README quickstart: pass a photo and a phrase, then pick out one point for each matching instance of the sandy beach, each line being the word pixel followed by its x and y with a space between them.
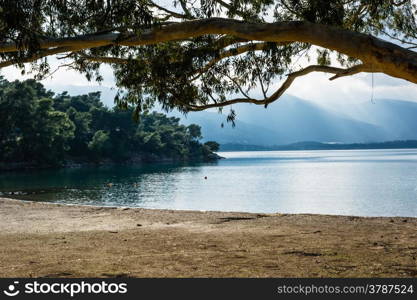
pixel 51 240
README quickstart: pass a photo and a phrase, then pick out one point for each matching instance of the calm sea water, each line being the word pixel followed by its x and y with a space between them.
pixel 354 182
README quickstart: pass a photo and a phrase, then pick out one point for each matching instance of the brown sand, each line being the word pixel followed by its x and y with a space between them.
pixel 49 240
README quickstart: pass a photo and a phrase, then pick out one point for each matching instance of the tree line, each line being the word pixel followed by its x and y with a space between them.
pixel 42 128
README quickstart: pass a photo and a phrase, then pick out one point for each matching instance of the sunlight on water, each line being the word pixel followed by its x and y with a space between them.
pixel 348 182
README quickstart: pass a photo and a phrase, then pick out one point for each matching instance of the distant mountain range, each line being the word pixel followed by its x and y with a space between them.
pixel 398 118
pixel 322 146
pixel 292 119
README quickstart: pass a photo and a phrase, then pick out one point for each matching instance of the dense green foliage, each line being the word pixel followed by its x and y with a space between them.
pixel 214 146
pixel 195 71
pixel 40 127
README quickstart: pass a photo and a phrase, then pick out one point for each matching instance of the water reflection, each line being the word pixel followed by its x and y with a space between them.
pixel 356 182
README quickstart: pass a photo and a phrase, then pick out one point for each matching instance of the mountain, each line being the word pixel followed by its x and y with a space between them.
pixel 242 133
pixel 295 119
pixel 286 121
pixel 398 118
pixel 322 146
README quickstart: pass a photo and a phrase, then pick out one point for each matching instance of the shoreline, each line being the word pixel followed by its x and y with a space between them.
pixel 59 240
pixel 27 166
pixel 2 197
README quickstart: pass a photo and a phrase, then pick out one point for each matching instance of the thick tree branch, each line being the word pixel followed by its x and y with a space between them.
pixel 391 59
pixel 39 55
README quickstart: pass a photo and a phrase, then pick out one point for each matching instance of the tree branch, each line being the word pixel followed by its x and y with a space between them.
pixel 360 9
pixel 228 53
pixel 170 12
pixel 391 59
pixel 106 59
pixel 400 3
pixel 36 56
pixel 339 72
pixel 185 9
pixel 290 9
pixel 355 70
